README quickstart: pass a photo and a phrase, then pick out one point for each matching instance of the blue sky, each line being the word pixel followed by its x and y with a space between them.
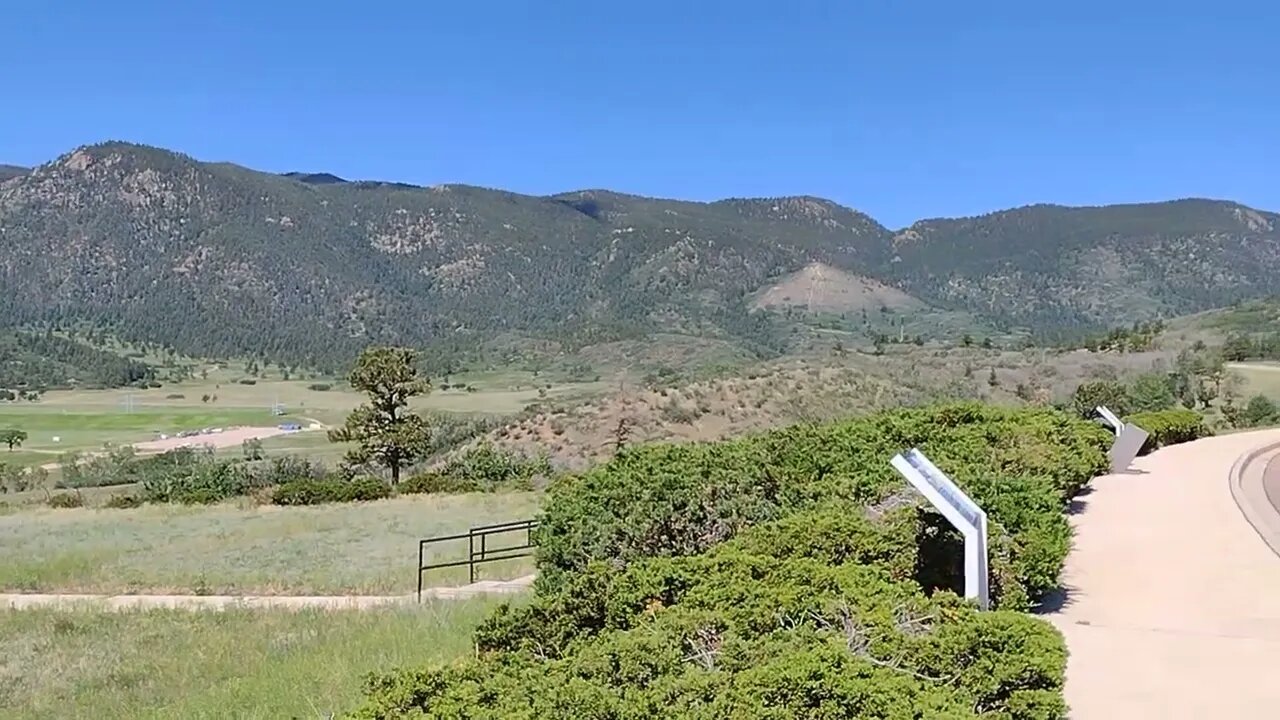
pixel 901 109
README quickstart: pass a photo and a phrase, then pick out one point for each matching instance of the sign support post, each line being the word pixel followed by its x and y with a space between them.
pixel 962 512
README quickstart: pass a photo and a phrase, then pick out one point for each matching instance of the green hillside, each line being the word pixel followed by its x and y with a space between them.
pixel 218 260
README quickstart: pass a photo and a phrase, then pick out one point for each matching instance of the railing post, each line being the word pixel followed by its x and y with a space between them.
pixel 471 556
pixel 420 548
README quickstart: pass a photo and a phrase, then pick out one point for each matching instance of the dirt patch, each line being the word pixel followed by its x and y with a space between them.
pixel 819 287
pixel 228 437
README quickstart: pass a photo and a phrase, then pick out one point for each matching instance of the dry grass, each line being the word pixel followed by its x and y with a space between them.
pixel 814 388
pixel 358 548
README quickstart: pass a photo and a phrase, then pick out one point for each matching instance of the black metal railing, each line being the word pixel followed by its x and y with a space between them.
pixel 478 550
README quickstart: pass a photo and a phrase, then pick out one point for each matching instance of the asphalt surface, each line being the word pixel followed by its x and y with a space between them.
pixel 1172 602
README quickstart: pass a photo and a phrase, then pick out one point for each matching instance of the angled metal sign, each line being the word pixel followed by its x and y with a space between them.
pixel 960 510
pixel 1128 443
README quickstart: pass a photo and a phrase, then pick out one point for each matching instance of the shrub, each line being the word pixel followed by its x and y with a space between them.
pixel 66 500
pixel 364 489
pixel 283 469
pixel 316 491
pixel 486 468
pixel 1260 411
pixel 320 387
pixel 1088 396
pixel 124 502
pixel 1170 427
pixel 773 577
pixel 434 482
pixel 174 396
pixel 247 381
pixel 194 480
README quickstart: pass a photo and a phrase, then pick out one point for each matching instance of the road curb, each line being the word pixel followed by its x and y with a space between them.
pixel 1251 498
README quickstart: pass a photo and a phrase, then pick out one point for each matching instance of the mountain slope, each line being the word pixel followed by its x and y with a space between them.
pixel 11 171
pixel 1047 265
pixel 217 259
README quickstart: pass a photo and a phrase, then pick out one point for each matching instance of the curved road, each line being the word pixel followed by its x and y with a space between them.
pixel 1271 482
pixel 1172 607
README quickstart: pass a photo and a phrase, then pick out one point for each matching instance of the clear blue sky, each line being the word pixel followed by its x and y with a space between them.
pixel 901 109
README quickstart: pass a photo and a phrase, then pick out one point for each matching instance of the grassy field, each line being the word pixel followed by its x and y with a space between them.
pixel 85 420
pixel 1259 378
pixel 233 664
pixel 361 548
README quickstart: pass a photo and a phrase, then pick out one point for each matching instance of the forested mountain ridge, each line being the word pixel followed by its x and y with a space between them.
pixel 11 171
pixel 1049 265
pixel 217 259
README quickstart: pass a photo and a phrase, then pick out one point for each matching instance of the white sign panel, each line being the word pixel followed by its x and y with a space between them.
pixel 1126 447
pixel 1129 440
pixel 961 511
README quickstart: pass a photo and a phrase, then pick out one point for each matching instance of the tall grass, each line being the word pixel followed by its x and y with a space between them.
pixel 234 664
pixel 237 548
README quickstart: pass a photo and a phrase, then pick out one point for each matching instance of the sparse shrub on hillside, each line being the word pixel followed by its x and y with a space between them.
pixel 202 481
pixel 1170 427
pixel 320 387
pixel 123 502
pixel 247 381
pixel 66 500
pixel 487 468
pixel 15 479
pixel 332 489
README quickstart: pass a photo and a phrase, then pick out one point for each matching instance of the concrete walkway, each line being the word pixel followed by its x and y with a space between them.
pixel 1172 603
pixel 18 601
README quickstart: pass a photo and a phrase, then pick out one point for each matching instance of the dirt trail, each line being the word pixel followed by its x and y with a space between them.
pixel 229 437
pixel 1172 603
pixel 20 601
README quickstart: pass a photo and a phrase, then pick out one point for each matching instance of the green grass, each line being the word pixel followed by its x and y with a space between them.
pixel 1259 378
pixel 241 664
pixel 357 548
pixel 85 420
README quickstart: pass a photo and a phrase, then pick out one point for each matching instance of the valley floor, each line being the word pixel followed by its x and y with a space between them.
pixel 1169 608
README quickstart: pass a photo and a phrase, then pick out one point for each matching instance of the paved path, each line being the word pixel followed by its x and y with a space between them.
pixel 1172 607
pixel 292 602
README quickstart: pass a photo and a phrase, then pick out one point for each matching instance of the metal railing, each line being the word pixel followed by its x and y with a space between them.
pixel 478 550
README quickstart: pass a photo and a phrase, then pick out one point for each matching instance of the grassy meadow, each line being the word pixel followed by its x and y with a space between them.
pixel 238 548
pixel 86 420
pixel 242 664
pixel 1259 378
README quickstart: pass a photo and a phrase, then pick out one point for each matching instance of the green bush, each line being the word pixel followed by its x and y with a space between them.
pixel 788 575
pixel 667 499
pixel 195 479
pixel 364 489
pixel 320 387
pixel 1088 396
pixel 434 482
pixel 247 381
pixel 66 500
pixel 488 468
pixel 1170 427
pixel 483 468
pixel 316 491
